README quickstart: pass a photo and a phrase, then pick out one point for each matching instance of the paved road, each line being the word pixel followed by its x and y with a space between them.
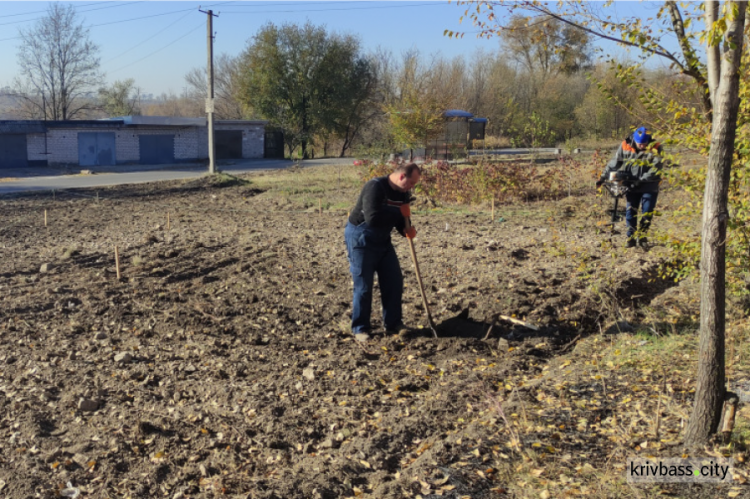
pixel 515 152
pixel 135 174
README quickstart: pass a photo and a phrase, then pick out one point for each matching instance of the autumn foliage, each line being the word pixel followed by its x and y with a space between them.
pixel 504 181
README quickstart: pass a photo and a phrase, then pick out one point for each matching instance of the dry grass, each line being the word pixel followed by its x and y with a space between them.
pixel 622 401
pixel 334 187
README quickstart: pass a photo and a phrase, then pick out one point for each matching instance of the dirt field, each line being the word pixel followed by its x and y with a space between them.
pixel 221 363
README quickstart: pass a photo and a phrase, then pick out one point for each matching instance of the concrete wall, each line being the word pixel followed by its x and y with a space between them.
pixel 35 148
pixel 252 139
pixel 187 143
pixel 191 142
pixel 62 145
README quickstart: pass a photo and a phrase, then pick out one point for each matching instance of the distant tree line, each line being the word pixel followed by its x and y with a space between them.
pixel 540 87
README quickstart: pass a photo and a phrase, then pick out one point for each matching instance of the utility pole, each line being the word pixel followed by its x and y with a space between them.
pixel 210 98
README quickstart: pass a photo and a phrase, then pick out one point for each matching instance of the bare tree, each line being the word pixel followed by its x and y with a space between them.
pixel 59 66
pixel 226 87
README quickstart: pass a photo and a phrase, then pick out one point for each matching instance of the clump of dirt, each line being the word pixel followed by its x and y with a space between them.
pixel 221 363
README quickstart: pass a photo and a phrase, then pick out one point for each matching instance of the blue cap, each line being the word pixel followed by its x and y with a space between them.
pixel 640 136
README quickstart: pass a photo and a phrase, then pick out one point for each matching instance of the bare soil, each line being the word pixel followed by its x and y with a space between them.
pixel 222 364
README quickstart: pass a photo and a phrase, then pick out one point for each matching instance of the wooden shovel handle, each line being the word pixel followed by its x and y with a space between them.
pixel 419 279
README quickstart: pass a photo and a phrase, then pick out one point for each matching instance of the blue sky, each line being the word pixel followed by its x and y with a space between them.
pixel 157 42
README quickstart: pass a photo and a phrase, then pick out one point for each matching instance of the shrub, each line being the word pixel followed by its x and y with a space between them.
pixel 506 182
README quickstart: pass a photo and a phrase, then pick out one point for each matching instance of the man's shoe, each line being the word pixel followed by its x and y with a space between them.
pixel 631 242
pixel 643 241
pixel 400 330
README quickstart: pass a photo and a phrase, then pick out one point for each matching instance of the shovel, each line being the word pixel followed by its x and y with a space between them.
pixel 419 280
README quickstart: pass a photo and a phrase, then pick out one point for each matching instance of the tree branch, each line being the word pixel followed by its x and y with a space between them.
pixel 712 50
pixel 658 50
pixel 693 64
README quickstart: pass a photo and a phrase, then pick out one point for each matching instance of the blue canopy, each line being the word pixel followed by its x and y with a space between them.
pixel 457 113
pixel 480 120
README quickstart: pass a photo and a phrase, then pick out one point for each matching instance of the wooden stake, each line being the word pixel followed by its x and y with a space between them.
pixel 320 207
pixel 167 220
pixel 489 331
pixel 117 262
pixel 492 220
pixel 45 218
pixel 657 425
pixel 730 409
pixel 519 322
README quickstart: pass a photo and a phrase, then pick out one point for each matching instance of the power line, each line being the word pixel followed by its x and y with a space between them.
pixel 318 3
pixel 128 20
pixel 122 20
pixel 149 38
pixel 332 9
pixel 42 11
pixel 159 50
pixel 77 12
pixel 142 17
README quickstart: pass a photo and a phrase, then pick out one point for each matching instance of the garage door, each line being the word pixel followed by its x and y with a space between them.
pixel 96 148
pixel 228 144
pixel 13 151
pixel 156 149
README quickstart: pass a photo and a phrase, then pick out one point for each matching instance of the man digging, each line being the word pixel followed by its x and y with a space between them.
pixel 639 157
pixel 382 206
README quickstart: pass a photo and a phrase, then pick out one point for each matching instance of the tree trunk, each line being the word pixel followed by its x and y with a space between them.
pixel 710 389
pixel 304 128
pixel 347 142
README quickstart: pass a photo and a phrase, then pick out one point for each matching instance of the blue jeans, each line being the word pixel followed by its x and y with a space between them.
pixel 646 201
pixel 370 250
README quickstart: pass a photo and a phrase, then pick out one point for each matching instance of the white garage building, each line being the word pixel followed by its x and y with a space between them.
pixel 125 140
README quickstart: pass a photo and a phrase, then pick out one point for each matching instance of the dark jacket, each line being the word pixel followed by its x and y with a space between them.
pixel 644 167
pixel 379 205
